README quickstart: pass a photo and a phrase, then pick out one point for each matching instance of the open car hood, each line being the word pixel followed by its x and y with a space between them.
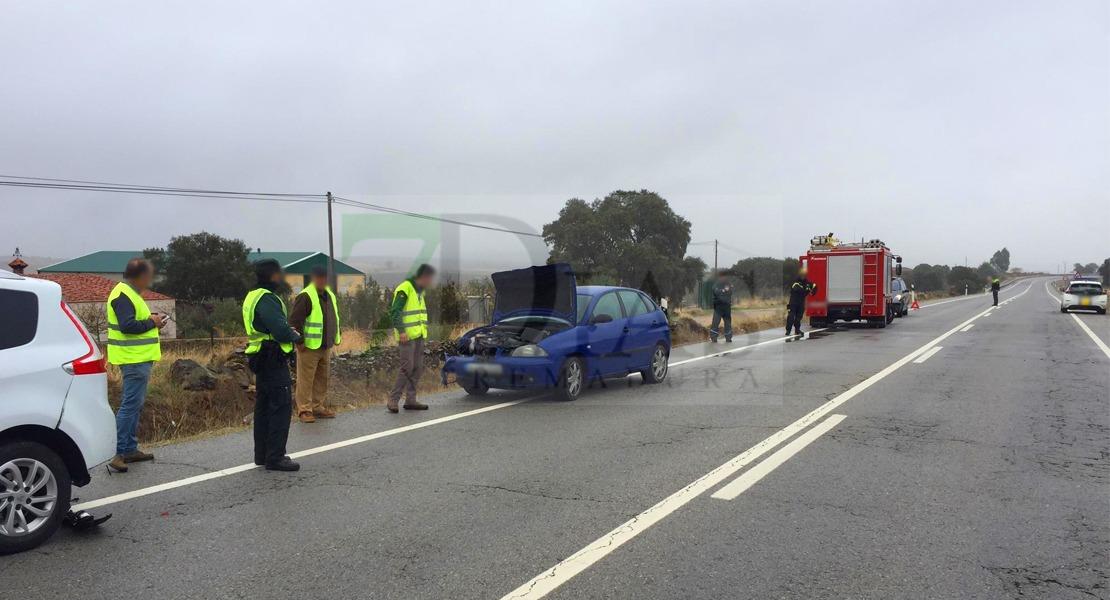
pixel 550 290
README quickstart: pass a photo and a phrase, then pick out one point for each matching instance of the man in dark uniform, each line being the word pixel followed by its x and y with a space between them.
pixel 270 342
pixel 796 307
pixel 995 286
pixel 722 308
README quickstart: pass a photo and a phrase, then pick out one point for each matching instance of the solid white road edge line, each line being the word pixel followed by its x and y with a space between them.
pixel 139 493
pixel 553 578
pixel 752 476
pixel 968 328
pixel 1098 342
pixel 930 353
pixel 247 467
pixel 1101 345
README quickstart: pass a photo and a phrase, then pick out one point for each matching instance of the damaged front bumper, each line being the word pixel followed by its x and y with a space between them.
pixel 502 372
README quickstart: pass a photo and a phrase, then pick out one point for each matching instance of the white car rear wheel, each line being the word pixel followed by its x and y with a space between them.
pixel 34 495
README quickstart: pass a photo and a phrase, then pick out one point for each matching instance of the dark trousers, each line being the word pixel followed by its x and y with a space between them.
pixel 721 313
pixel 995 292
pixel 794 315
pixel 273 408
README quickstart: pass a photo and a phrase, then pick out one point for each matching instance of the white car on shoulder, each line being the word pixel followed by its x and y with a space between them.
pixel 55 422
pixel 1084 294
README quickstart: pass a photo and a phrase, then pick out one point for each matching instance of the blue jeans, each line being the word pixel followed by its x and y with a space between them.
pixel 135 378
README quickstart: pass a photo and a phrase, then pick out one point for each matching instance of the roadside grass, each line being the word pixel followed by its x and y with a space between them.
pixel 747 319
pixel 172 414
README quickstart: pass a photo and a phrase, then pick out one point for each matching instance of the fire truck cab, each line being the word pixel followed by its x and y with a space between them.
pixel 853 281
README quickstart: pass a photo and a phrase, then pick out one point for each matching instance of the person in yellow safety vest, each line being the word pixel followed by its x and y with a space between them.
pixel 316 314
pixel 133 346
pixel 270 341
pixel 410 321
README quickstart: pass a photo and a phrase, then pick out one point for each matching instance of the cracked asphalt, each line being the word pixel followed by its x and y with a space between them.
pixel 982 472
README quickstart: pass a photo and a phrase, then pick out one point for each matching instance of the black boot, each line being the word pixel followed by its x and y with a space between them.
pixel 285 464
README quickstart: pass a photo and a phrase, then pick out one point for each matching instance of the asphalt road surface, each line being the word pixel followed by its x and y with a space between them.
pixel 960 453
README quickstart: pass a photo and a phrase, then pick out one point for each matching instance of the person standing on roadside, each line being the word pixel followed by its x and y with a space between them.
pixel 410 322
pixel 270 341
pixel 722 308
pixel 801 289
pixel 134 347
pixel 996 285
pixel 315 314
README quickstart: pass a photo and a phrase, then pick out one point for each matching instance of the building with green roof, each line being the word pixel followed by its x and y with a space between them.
pixel 297 265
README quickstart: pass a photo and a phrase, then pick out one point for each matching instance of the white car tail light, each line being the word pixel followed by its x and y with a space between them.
pixel 92 363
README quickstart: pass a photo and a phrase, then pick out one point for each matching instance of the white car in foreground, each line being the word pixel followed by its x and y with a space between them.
pixel 55 422
pixel 1084 294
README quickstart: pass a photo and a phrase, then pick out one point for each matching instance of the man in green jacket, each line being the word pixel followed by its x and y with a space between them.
pixel 270 341
pixel 410 322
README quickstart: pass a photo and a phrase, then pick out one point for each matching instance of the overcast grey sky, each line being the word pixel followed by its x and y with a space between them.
pixel 948 129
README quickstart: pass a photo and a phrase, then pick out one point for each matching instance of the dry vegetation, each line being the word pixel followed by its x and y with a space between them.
pixel 173 414
pixel 759 315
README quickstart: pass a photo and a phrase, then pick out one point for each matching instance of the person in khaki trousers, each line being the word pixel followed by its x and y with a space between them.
pixel 316 315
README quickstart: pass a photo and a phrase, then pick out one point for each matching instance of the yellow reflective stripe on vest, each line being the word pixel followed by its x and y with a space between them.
pixel 314 323
pixel 255 337
pixel 127 348
pixel 414 314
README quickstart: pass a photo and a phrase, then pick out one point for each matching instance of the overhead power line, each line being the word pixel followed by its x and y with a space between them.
pixel 158 190
pixel 736 250
pixel 158 187
pixel 376 207
pixel 79 185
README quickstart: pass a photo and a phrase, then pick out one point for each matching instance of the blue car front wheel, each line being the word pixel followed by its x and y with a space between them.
pixel 660 365
pixel 572 379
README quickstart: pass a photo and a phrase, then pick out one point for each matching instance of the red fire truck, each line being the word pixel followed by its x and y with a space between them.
pixel 853 281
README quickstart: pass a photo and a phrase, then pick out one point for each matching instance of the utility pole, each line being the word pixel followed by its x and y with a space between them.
pixel 715 244
pixel 331 248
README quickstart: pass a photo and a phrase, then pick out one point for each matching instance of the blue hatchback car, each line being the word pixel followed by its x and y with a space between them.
pixel 549 333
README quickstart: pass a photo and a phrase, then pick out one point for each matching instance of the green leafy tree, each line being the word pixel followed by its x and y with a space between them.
pixel 930 278
pixel 987 271
pixel 1090 268
pixel 363 307
pixel 630 238
pixel 202 266
pixel 1001 261
pixel 961 278
pixel 765 276
pixel 1104 271
pixel 749 280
